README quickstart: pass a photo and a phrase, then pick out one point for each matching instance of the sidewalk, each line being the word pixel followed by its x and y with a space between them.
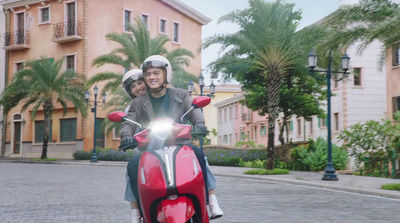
pixel 349 183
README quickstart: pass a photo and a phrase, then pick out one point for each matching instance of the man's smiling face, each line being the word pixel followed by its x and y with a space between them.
pixel 154 77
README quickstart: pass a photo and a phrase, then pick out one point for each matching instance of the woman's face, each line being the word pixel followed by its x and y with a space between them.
pixel 138 87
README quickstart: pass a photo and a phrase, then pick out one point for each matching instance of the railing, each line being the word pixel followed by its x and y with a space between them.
pixel 19 37
pixel 246 117
pixel 66 29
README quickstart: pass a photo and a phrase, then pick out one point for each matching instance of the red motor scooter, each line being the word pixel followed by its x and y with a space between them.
pixel 170 179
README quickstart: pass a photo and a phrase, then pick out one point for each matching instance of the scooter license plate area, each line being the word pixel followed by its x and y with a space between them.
pixel 175 210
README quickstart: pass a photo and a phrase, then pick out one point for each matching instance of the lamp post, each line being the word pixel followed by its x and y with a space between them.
pixel 201 84
pixel 94 110
pixel 312 63
pixel 211 95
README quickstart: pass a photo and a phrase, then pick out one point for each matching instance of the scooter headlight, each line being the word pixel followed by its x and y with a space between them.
pixel 162 127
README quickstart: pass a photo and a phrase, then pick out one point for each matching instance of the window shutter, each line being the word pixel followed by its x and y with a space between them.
pixel 319 122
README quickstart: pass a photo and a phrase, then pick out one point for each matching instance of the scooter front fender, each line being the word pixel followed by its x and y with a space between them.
pixel 177 210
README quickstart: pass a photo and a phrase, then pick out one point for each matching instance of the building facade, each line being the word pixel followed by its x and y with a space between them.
pixel 2 78
pixel 356 99
pixel 222 92
pixel 236 122
pixel 76 30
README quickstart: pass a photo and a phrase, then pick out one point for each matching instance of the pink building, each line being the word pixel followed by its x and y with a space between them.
pixel 237 123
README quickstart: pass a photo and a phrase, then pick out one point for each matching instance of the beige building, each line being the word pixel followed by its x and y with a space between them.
pixel 222 92
pixel 393 80
pixel 76 30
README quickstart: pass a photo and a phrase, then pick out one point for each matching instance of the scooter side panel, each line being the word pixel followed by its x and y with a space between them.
pixel 189 177
pixel 153 186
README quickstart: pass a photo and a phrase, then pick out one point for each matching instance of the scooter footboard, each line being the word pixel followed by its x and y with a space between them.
pixel 176 210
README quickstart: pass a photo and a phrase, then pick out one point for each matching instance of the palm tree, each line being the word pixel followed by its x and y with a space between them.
pixel 134 50
pixel 367 21
pixel 268 45
pixel 43 83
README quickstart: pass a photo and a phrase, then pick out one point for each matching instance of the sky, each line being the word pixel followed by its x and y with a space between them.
pixel 312 11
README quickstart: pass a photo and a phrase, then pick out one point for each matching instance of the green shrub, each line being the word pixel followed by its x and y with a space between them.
pixel 314 156
pixel 253 163
pixel 222 157
pixel 267 172
pixel 391 186
pixel 106 155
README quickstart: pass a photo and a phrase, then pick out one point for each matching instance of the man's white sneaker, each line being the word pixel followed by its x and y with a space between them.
pixel 136 216
pixel 216 211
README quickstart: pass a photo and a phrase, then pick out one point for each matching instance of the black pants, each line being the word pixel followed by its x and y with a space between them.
pixel 133 167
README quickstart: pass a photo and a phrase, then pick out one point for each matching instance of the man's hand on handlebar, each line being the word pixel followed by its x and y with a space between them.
pixel 200 129
pixel 128 143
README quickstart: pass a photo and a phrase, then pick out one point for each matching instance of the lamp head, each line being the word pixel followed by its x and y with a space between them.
pixel 312 59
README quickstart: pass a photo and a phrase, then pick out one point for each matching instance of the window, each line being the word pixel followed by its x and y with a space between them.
pixel 70 62
pixel 225 114
pixel 220 115
pixel 230 139
pixel 44 15
pixel 20 28
pixel 290 126
pixel 71 19
pixel 39 131
pixel 99 132
pixel 298 127
pixel 396 54
pixel 311 127
pixel 225 139
pixel 322 122
pixel 242 136
pixel 336 121
pixel 176 32
pixel 236 110
pixel 357 76
pixel 263 130
pixel 255 133
pixel 145 20
pixel 163 26
pixel 18 66
pixel 68 130
pixel 127 19
pixel 116 134
pixel 230 112
pixel 396 104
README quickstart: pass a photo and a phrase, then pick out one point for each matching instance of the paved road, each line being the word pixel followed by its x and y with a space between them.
pixel 78 193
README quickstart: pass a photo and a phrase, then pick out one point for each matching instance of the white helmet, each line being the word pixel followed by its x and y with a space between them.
pixel 158 61
pixel 129 78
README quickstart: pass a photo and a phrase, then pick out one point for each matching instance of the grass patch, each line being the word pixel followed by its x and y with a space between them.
pixel 391 186
pixel 52 159
pixel 267 172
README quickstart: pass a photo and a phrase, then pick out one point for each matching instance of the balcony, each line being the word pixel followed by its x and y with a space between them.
pixel 67 32
pixel 18 40
pixel 246 118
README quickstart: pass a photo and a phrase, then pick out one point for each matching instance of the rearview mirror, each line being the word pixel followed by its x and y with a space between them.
pixel 201 101
pixel 117 116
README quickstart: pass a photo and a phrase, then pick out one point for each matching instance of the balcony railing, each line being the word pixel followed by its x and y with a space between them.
pixel 246 117
pixel 16 40
pixel 67 32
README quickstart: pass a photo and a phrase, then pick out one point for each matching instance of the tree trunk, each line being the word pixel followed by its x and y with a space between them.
pixel 48 111
pixel 273 99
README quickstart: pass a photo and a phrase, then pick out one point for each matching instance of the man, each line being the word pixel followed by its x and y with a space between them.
pixel 162 101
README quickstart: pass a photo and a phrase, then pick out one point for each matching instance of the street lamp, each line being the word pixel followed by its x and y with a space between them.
pixel 94 110
pixel 211 95
pixel 201 84
pixel 312 64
